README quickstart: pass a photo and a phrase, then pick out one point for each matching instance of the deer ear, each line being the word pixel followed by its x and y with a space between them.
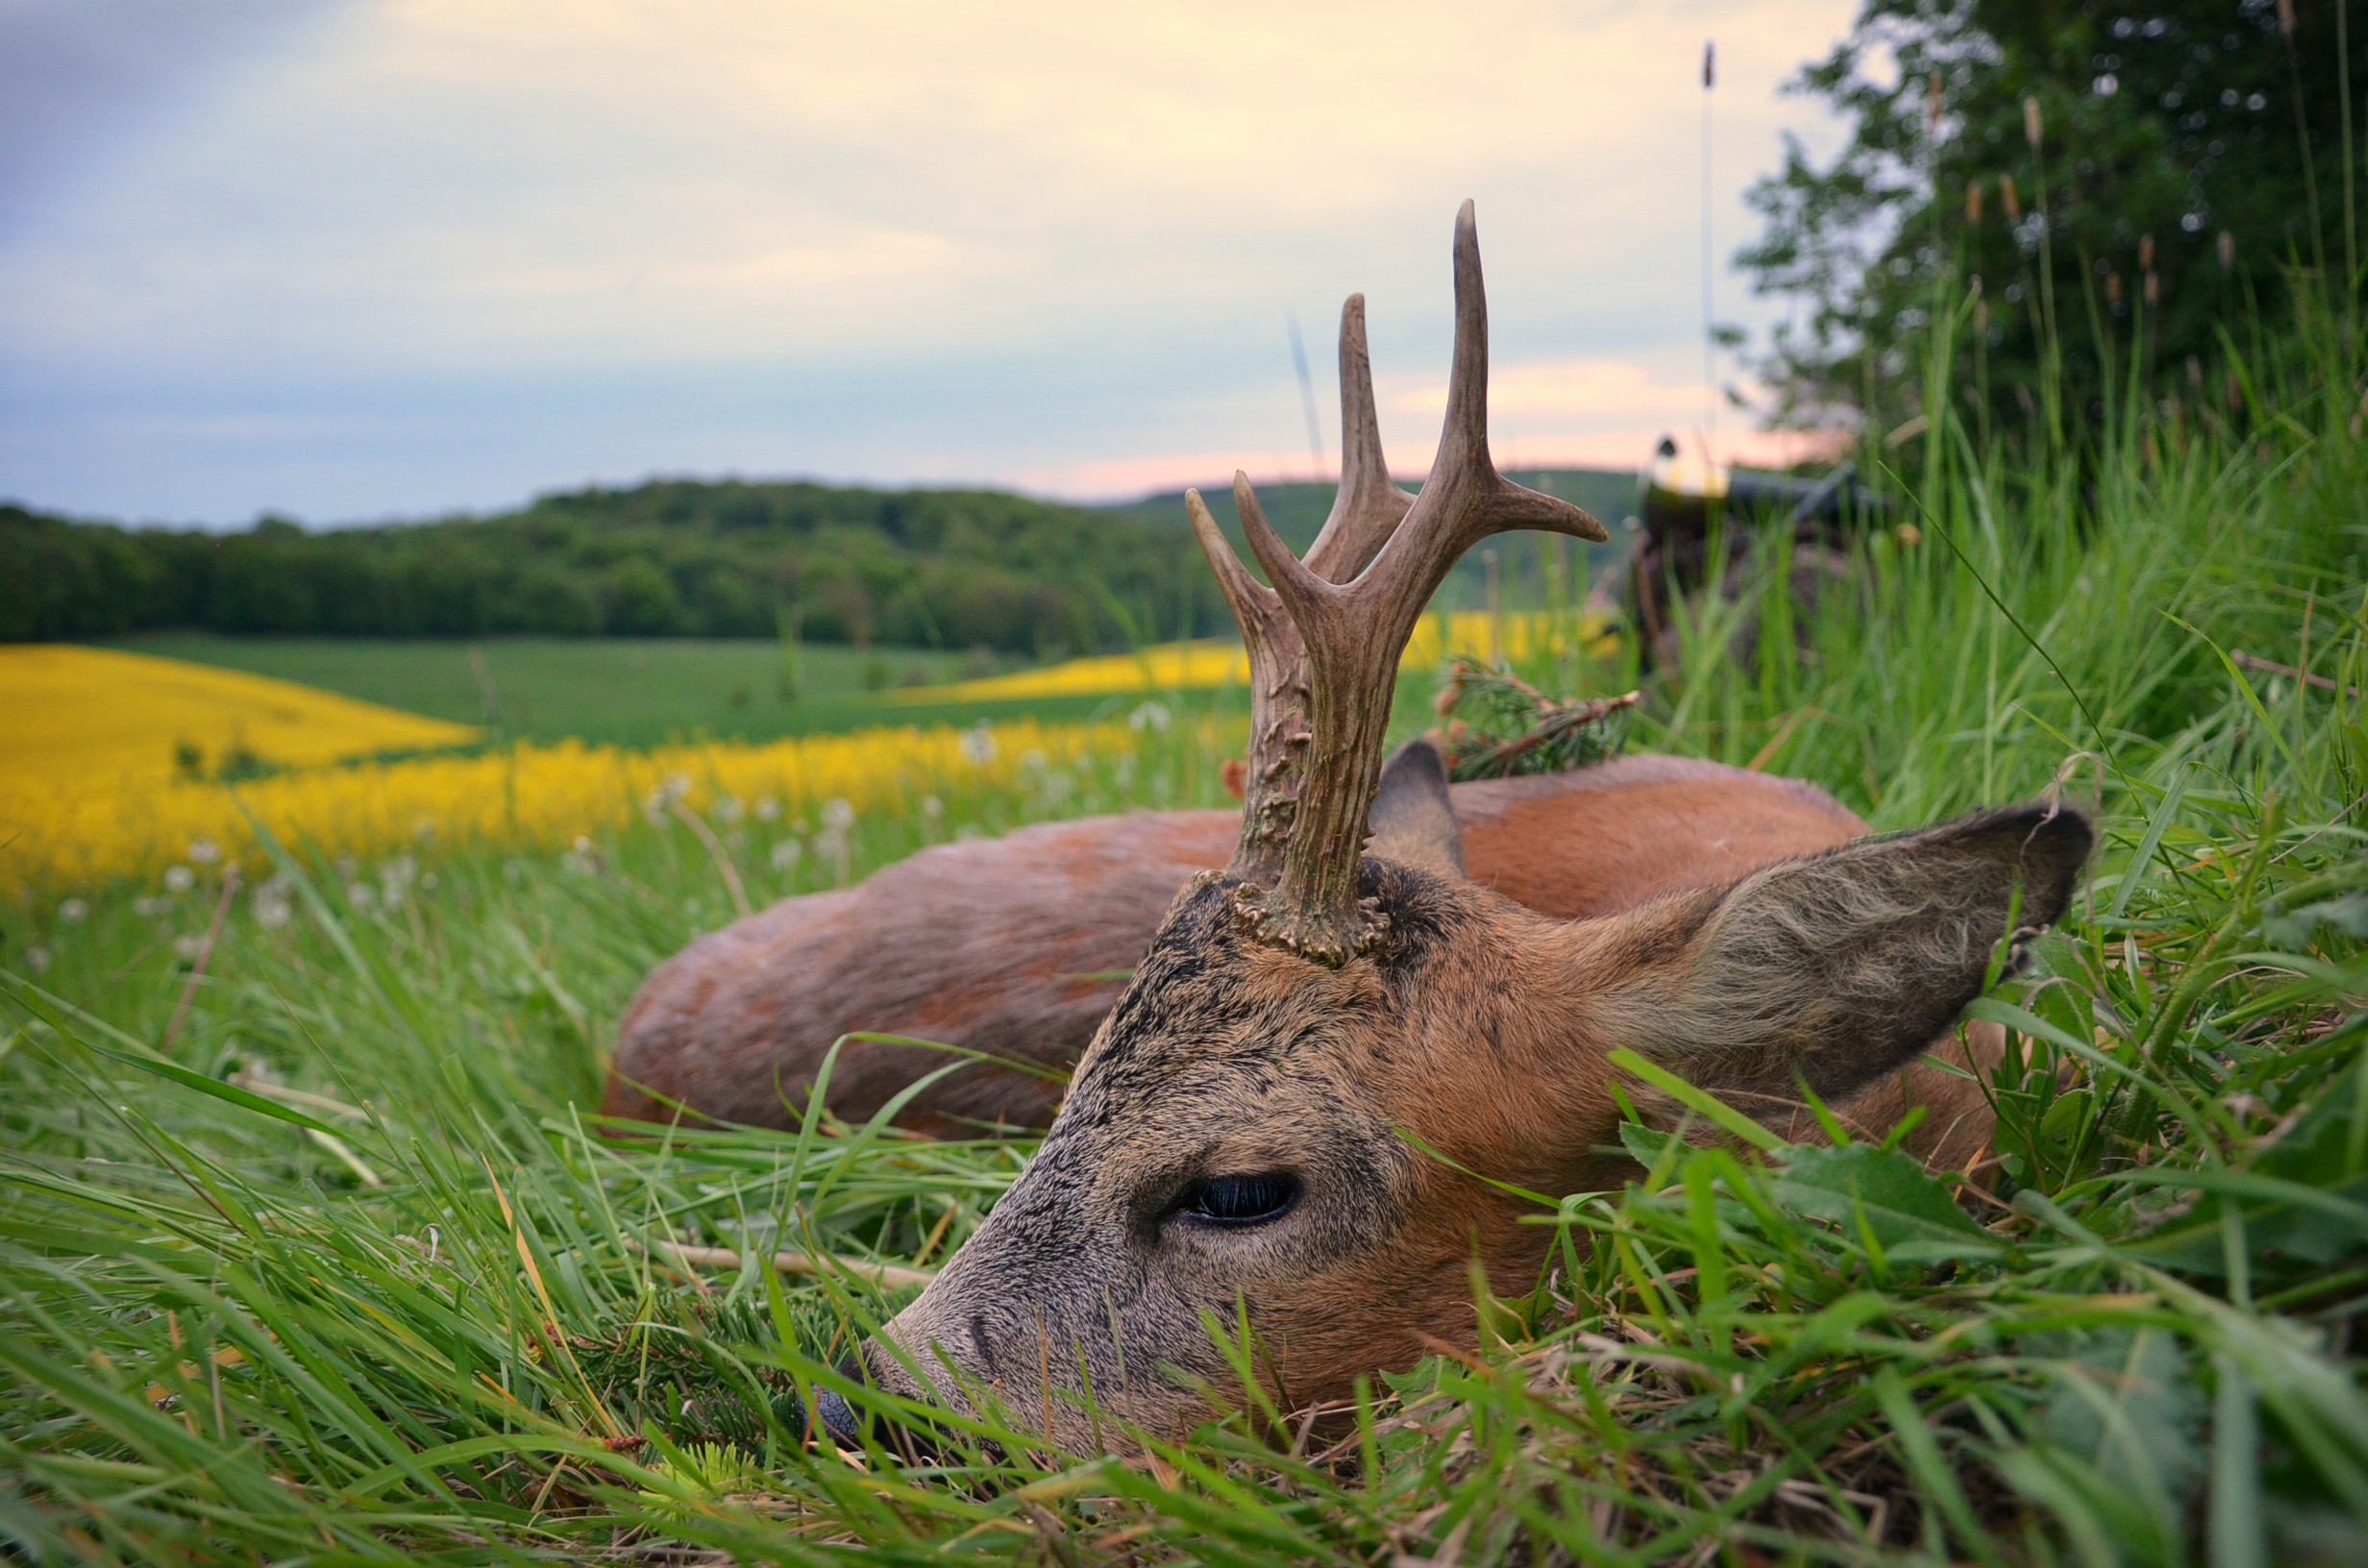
pixel 1839 969
pixel 1412 820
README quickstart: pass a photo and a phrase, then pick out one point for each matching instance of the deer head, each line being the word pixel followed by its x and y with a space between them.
pixel 1257 1126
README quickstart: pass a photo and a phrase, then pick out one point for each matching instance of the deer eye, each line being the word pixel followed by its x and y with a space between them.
pixel 1239 1200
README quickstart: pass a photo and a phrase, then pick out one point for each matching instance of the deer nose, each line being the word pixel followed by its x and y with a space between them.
pixel 908 1440
pixel 838 1417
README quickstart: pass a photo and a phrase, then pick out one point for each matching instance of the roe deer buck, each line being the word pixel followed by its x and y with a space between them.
pixel 1007 946
pixel 1245 1131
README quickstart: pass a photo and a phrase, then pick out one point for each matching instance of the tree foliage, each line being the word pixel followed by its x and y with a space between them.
pixel 2104 182
pixel 945 568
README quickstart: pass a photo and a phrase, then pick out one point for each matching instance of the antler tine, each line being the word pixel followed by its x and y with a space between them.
pixel 1278 685
pixel 1290 576
pixel 1465 499
pixel 1368 507
pixel 1463 439
pixel 1244 594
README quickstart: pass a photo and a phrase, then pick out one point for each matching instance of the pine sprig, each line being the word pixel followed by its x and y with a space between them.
pixel 1500 727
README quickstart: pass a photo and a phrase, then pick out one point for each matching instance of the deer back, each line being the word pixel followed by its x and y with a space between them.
pixel 1017 947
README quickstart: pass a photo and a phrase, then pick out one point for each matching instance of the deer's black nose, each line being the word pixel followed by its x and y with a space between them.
pixel 838 1417
pixel 908 1440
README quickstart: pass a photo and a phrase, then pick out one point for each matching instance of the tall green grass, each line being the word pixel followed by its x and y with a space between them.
pixel 348 1275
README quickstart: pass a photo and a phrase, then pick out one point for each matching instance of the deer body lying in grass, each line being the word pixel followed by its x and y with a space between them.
pixel 1017 947
pixel 1335 1058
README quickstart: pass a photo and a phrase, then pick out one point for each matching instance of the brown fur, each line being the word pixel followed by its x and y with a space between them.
pixel 981 945
pixel 1308 1107
pixel 1476 1028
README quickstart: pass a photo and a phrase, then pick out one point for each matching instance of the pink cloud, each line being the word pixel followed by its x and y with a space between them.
pixel 1590 413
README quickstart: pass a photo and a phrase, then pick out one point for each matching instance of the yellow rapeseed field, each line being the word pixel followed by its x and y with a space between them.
pixel 90 792
pixel 1162 667
pixel 64 834
pixel 103 757
pixel 79 715
pixel 1194 666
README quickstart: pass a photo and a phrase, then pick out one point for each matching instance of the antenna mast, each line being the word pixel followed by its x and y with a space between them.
pixel 1710 341
pixel 1307 394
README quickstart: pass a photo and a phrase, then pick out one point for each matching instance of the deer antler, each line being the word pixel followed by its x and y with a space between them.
pixel 1368 507
pixel 1324 644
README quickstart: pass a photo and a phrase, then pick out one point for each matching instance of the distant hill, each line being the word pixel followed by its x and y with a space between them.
pixel 1297 510
pixel 954 569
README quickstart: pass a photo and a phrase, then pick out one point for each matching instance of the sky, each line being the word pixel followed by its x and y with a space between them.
pixel 346 260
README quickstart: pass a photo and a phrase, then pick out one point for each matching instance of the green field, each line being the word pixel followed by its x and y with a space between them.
pixel 623 691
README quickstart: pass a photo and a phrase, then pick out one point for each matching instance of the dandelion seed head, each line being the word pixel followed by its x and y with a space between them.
pixel 178 879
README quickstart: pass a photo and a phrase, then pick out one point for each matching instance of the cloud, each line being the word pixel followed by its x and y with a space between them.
pixel 1088 219
pixel 1568 389
pixel 79 78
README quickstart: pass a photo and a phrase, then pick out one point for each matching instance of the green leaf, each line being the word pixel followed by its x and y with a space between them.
pixel 2123 1399
pixel 1909 1212
pixel 1927 1464
pixel 2347 915
pixel 1645 1145
pixel 2235 1523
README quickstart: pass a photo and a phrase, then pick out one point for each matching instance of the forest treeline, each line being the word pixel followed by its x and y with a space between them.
pixel 921 568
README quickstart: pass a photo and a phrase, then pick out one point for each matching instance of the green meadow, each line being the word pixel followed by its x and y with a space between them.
pixel 621 690
pixel 322 1255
